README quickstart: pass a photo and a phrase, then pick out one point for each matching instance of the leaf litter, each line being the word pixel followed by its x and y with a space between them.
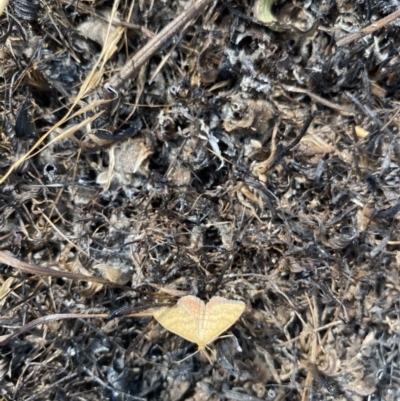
pixel 151 150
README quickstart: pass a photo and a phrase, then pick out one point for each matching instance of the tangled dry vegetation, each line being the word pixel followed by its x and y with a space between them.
pixel 258 163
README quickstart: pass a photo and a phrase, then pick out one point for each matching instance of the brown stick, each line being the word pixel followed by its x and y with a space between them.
pixel 155 44
pixel 369 29
pixel 318 99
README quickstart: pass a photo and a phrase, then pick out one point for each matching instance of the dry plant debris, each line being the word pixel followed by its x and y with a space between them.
pixel 155 149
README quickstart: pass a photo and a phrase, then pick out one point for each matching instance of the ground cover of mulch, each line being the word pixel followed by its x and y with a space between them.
pixel 212 148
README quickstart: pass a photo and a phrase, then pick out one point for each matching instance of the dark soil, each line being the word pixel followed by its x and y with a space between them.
pixel 254 162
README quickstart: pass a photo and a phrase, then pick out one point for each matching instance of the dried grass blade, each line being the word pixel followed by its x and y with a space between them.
pixel 44 271
pixel 4 340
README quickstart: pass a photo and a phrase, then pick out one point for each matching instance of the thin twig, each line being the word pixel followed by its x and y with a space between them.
pixel 4 340
pixel 45 271
pixel 282 152
pixel 156 43
pixel 369 29
pixel 110 388
pixel 318 99
pixel 332 324
pixel 83 8
pixel 53 385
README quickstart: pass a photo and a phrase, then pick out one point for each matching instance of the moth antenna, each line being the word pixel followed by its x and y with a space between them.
pixel 187 357
pixel 225 336
pixel 205 353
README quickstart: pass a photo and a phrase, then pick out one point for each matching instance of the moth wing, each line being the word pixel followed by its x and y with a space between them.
pixel 179 321
pixel 220 314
